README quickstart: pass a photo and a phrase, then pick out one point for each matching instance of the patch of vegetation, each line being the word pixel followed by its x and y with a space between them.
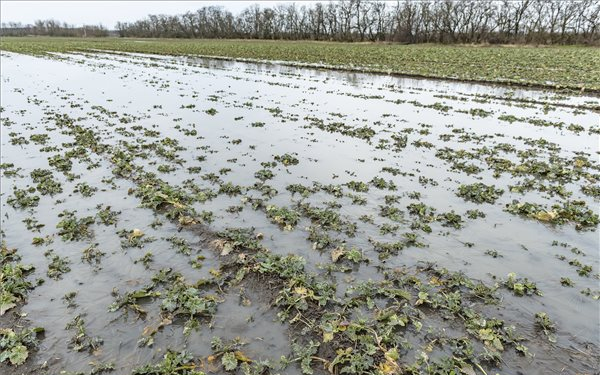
pixel 134 238
pixel 15 346
pixel 85 189
pixel 46 184
pixel 284 217
pixel 92 255
pixel 23 198
pixel 521 287
pixel 107 216
pixel 13 284
pixel 58 265
pixel 479 193
pixel 575 212
pixel 73 228
pixel 543 322
pixel 264 174
pixel 287 159
pixel 82 341
pixel 173 363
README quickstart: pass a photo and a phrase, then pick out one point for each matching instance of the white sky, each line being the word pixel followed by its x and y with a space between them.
pixel 109 12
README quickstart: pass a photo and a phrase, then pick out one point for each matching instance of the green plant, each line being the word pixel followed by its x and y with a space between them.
pixel 173 363
pixel 23 198
pixel 13 285
pixel 73 228
pixel 287 159
pixel 544 323
pixel 283 216
pixel 479 193
pixel 15 346
pixel 520 286
pixel 81 340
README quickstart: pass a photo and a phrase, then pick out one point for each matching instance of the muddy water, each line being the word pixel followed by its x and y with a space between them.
pixel 170 94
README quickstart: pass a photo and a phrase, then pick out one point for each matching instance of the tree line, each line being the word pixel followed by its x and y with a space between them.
pixel 439 21
pixel 52 28
pixel 404 21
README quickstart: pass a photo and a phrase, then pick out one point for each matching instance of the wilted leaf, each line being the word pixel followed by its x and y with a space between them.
pixel 240 356
pixel 546 215
pixel 5 306
pixel 337 254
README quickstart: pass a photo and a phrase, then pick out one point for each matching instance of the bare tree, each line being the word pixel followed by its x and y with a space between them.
pixel 407 21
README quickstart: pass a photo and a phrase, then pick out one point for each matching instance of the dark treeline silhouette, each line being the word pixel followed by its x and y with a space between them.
pixel 405 21
pixel 441 21
pixel 52 28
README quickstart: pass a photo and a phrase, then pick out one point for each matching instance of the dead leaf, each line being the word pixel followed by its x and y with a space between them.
pixel 546 215
pixel 136 233
pixel 240 356
pixel 187 220
pixel 337 253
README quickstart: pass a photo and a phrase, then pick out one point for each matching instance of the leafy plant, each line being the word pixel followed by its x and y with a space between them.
pixel 46 184
pixel 287 159
pixel 13 285
pixel 173 363
pixel 73 228
pixel 15 346
pixel 184 299
pixel 570 211
pixel 92 255
pixel 107 216
pixel 304 355
pixel 85 189
pixel 129 300
pixel 134 238
pixel 283 216
pixel 520 286
pixel 237 239
pixel 479 193
pixel 23 198
pixel 81 340
pixel 544 323
pixel 58 265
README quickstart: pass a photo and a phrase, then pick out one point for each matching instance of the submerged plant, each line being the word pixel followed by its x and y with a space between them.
pixel 73 228
pixel 544 323
pixel 187 300
pixel 23 198
pixel 130 300
pixel 520 286
pixel 58 265
pixel 85 189
pixel 283 216
pixel 479 193
pixel 287 159
pixel 81 340
pixel 134 238
pixel 570 211
pixel 107 216
pixel 173 363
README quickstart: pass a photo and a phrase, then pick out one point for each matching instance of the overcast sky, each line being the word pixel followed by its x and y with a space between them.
pixel 109 12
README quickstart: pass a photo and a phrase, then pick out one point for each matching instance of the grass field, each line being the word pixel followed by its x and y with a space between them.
pixel 572 67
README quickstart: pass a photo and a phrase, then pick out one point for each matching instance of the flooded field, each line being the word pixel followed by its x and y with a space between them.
pixel 202 215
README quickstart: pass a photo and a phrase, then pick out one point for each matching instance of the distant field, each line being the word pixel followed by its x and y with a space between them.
pixel 572 67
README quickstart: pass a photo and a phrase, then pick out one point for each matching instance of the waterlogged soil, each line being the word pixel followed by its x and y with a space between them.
pixel 320 221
